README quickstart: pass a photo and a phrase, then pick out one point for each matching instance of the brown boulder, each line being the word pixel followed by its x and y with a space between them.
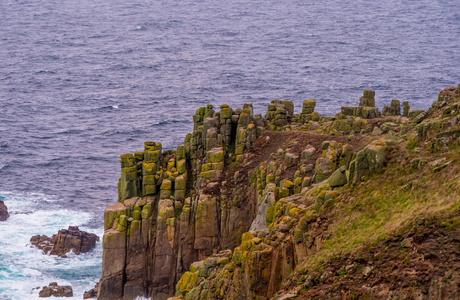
pixel 3 211
pixel 66 240
pixel 55 290
pixel 43 242
pixel 92 293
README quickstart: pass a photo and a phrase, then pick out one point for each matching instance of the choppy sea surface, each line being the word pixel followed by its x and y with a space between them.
pixel 82 82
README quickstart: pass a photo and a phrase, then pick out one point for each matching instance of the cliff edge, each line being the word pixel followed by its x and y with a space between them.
pixel 292 206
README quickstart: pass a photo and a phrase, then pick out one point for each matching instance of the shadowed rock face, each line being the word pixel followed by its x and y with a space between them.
pixel 66 240
pixel 3 211
pixel 56 290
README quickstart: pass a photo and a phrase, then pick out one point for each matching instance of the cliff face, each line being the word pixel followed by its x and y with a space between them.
pixel 256 207
pixel 175 207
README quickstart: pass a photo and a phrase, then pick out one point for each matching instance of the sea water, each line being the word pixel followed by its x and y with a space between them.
pixel 24 268
pixel 82 82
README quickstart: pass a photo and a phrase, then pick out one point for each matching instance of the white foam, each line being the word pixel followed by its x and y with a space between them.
pixel 23 268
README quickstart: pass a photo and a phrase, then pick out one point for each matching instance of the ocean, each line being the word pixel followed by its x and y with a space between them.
pixel 82 82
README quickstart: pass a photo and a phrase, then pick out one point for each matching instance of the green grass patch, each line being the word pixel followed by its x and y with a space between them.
pixel 375 209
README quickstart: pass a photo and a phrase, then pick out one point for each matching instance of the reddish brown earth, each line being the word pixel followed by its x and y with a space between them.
pixel 421 264
pixel 262 150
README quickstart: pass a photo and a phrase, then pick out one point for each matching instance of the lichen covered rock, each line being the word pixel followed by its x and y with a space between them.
pixel 236 211
pixel 366 108
pixel 368 161
pixel 279 113
pixel 338 178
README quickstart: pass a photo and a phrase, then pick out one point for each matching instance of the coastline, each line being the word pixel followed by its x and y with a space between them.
pixel 243 183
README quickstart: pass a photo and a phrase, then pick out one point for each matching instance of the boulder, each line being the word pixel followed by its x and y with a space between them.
pixel 291 158
pixel 324 168
pixel 66 240
pixel 308 152
pixel 92 293
pixel 315 116
pixel 366 108
pixel 327 163
pixel 308 106
pixel 377 131
pixel 56 290
pixel 367 99
pixel 368 161
pixel 370 112
pixel 338 178
pixel 3 211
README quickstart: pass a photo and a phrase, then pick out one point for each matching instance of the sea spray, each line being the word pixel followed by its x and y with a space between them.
pixel 23 268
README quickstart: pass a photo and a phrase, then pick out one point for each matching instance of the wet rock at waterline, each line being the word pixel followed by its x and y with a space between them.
pixel 55 290
pixel 3 211
pixel 66 240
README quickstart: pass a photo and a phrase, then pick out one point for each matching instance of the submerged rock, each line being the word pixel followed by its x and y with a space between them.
pixel 66 240
pixel 56 290
pixel 3 211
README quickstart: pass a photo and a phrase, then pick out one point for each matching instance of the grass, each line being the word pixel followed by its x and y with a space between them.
pixel 412 144
pixel 371 211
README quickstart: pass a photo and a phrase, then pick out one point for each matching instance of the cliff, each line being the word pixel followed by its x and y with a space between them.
pixel 292 206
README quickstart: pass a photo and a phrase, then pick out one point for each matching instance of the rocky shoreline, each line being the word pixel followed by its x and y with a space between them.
pixel 287 205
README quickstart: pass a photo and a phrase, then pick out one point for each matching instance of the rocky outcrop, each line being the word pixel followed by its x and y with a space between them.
pixel 174 206
pixel 280 113
pixel 56 290
pixel 366 108
pixel 236 211
pixel 368 161
pixel 394 109
pixel 3 211
pixel 273 259
pixel 65 241
pixel 443 127
pixel 179 207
